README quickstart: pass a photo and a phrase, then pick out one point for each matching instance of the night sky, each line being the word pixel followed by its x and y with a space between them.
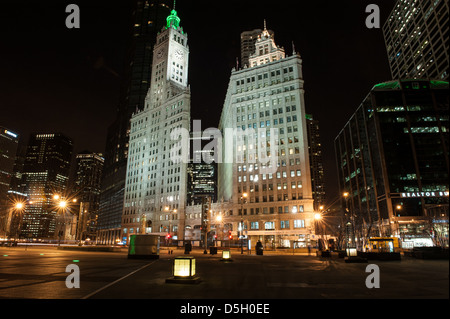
pixel 67 80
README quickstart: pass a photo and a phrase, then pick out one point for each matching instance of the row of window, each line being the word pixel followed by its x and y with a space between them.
pixel 258 95
pixel 264 76
pixel 283 224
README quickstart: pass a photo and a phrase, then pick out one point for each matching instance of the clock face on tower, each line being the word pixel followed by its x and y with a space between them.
pixel 160 53
pixel 179 54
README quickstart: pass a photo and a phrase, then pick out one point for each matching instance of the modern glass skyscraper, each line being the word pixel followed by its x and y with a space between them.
pixel 45 173
pixel 315 158
pixel 148 17
pixel 156 179
pixel 9 142
pixel 87 188
pixel 265 167
pixel 417 39
pixel 393 161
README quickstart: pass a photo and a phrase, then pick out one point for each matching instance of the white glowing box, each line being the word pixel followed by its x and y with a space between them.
pixel 226 254
pixel 184 267
pixel 351 252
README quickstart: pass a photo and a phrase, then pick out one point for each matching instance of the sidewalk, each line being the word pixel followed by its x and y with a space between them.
pixel 237 251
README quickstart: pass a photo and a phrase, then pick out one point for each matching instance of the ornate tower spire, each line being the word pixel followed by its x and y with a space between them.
pixel 265 33
pixel 173 20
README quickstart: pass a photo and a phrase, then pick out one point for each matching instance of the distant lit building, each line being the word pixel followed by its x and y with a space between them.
pixel 9 141
pixel 87 188
pixel 46 173
pixel 202 173
pixel 393 161
pixel 316 162
pixel 417 39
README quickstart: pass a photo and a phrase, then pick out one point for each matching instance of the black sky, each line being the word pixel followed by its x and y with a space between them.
pixel 58 79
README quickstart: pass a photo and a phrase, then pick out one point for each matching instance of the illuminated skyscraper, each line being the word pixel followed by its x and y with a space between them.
pixel 87 189
pixel 155 188
pixel 9 142
pixel 315 157
pixel 393 161
pixel 265 169
pixel 417 39
pixel 248 40
pixel 148 17
pixel 45 173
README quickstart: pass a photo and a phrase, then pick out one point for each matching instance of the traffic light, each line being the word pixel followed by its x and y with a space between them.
pixel 168 236
pixel 229 235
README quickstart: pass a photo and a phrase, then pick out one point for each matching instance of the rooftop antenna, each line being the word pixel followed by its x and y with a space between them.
pixel 174 2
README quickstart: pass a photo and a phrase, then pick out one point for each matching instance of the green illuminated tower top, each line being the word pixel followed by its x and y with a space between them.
pixel 173 20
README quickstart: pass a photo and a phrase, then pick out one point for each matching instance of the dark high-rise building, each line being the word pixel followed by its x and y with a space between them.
pixel 8 147
pixel 202 171
pixel 393 162
pixel 417 39
pixel 315 159
pixel 46 173
pixel 87 187
pixel 148 17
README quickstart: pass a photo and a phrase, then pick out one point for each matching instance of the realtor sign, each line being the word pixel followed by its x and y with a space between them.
pixel 424 194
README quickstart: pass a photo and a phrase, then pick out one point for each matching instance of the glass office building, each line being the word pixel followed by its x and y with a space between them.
pixel 417 39
pixel 392 160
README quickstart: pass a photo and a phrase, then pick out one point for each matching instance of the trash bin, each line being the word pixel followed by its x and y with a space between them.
pixel 187 248
pixel 213 250
pixel 259 248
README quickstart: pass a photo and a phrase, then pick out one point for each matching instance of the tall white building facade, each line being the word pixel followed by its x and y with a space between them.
pixel 156 179
pixel 267 180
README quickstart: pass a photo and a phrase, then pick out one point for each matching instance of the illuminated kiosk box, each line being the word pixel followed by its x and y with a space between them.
pixel 143 247
pixel 226 256
pixel 184 271
pixel 352 256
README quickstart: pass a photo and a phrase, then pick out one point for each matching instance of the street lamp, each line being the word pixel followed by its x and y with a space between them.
pixel 397 215
pixel 64 205
pixel 243 197
pixel 17 209
pixel 317 218
pixel 351 222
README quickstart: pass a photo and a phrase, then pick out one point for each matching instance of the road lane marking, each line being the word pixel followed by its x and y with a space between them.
pixel 116 281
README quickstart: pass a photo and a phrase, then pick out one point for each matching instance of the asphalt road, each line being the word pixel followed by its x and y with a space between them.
pixel 40 273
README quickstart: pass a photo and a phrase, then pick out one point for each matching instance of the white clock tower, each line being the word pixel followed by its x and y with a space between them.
pixel 170 61
pixel 156 184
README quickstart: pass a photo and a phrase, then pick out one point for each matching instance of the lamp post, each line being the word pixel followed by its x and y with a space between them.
pixel 169 230
pixel 18 209
pixel 398 208
pixel 317 218
pixel 219 220
pixel 243 197
pixel 351 222
pixel 64 205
